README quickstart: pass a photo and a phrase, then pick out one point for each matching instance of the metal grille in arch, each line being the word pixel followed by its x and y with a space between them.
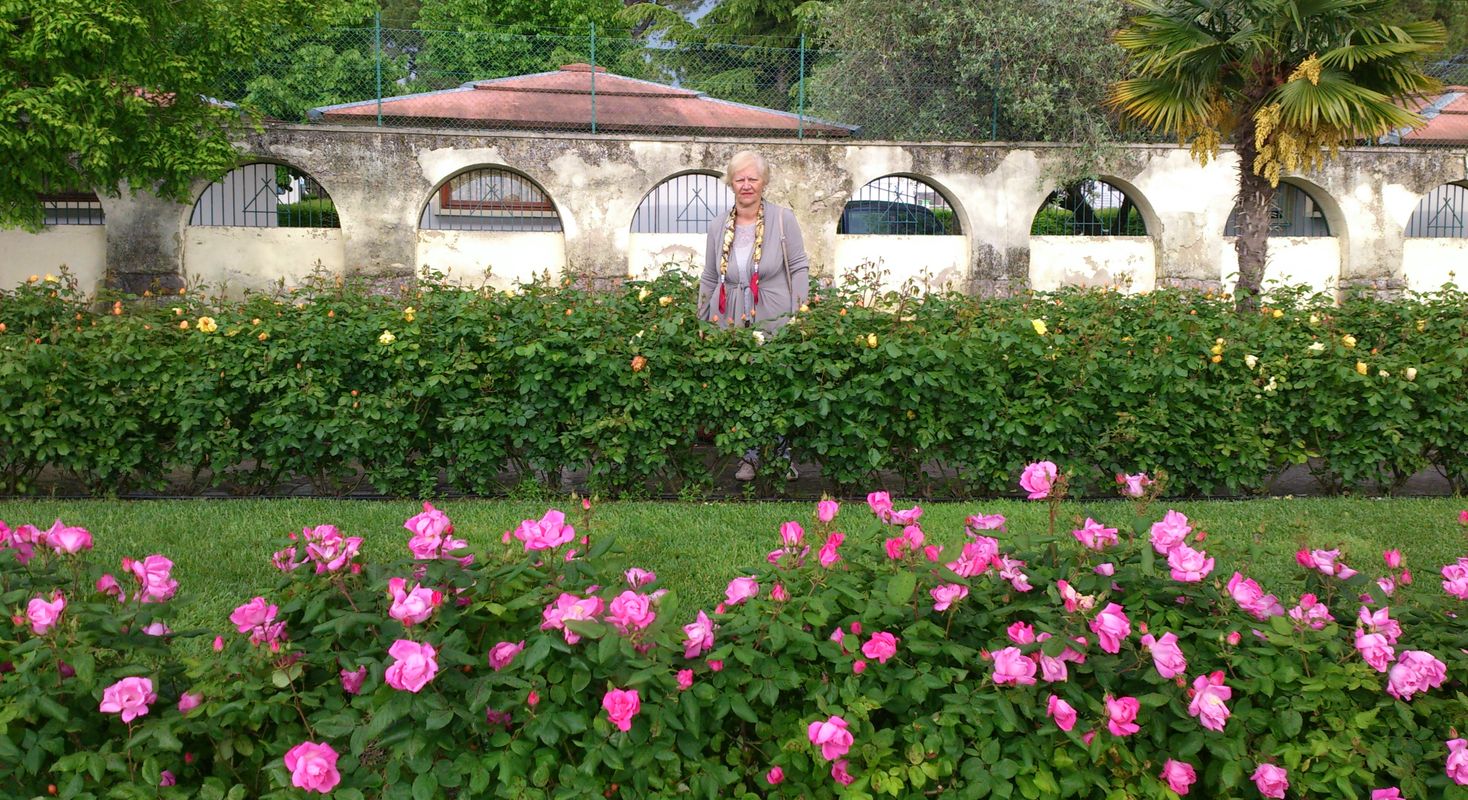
pixel 683 204
pixel 490 199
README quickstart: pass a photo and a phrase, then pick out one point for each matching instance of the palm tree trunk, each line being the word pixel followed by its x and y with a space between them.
pixel 1256 197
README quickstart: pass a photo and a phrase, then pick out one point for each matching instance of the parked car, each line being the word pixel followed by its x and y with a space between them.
pixel 885 217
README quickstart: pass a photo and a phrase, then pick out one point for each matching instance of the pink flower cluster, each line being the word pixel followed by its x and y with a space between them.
pixel 1455 579
pixel 154 575
pixel 62 538
pixel 257 618
pixel 326 547
pixel 1252 599
pixel 567 608
pixel 881 505
pixel 1326 561
pixel 1311 612
pixel 433 536
pixel 412 607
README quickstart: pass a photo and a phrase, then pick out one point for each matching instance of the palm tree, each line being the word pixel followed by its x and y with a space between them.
pixel 1286 82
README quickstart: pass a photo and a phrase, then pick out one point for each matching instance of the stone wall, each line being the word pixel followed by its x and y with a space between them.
pixel 381 179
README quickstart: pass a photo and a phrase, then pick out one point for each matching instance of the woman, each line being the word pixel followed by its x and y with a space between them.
pixel 755 270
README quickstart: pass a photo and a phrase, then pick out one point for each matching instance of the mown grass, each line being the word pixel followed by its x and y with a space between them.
pixel 222 548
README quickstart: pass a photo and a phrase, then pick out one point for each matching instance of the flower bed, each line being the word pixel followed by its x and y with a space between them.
pixel 860 660
pixel 445 387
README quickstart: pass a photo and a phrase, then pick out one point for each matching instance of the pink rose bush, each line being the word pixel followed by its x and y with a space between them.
pixel 43 614
pixel 810 674
pixel 1038 479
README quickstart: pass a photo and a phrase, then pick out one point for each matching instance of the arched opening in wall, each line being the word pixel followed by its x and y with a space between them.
pixel 490 199
pixel 669 227
pixel 265 195
pixel 491 225
pixel 900 229
pixel 1435 252
pixel 262 225
pixel 1093 233
pixel 1293 212
pixel 1088 208
pixel 1304 247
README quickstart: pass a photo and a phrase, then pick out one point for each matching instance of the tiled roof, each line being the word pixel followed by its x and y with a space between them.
pixel 1447 118
pixel 562 101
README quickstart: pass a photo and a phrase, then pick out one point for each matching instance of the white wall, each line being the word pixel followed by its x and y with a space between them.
pixel 506 258
pixel 1429 263
pixel 650 254
pixel 932 262
pixel 81 248
pixel 235 259
pixel 1126 262
pixel 1312 260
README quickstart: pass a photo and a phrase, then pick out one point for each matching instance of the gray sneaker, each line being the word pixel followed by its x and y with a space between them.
pixel 746 471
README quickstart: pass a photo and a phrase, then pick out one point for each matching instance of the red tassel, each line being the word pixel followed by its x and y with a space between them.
pixel 723 300
pixel 754 287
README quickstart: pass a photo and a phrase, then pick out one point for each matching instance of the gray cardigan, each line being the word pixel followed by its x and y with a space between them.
pixel 784 270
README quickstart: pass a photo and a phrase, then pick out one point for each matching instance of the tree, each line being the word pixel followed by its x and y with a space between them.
pixel 97 92
pixel 1285 81
pixel 1451 13
pixel 967 69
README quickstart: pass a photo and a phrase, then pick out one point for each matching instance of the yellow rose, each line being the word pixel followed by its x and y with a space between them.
pixel 207 325
pixel 871 340
pixel 1278 313
pixel 1361 367
pixel 49 278
pixel 1348 340
pixel 1215 359
pixel 408 313
pixel 643 294
pixel 1216 349
pixel 1410 373
pixel 386 338
pixel 183 326
pixel 804 308
pixel 1421 325
pixel 263 336
pixel 665 301
pixel 1381 373
pixel 1039 326
pixel 1251 361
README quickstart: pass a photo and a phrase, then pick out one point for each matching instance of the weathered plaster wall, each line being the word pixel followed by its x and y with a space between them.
pixel 1125 262
pixel 930 262
pixel 381 180
pixel 1311 260
pixel 234 259
pixel 82 249
pixel 497 259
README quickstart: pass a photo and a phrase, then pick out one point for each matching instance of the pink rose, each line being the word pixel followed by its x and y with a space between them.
pixel 976 558
pixel 1121 715
pixel 945 595
pixel 907 516
pixel 685 679
pixel 1252 599
pixel 1170 531
pixel 880 647
pixel 167 778
pixel 740 589
pixel 285 559
pixel 1111 626
pixel 1062 712
pixel 1094 535
pixel 858 666
pixel 1392 793
pixel 1415 671
pixel 1455 579
pixel 1053 670
pixel 779 594
pixel 894 548
pixel 313 767
pixel 1038 479
pixel 188 701
pixel 791 533
pixel 1179 775
pixel 1271 780
pixel 984 522
pixel 638 577
pixel 700 636
pixel 831 736
pixel 129 697
pixel 1166 655
pixel 1380 621
pixel 1209 701
pixel 109 586
pixel 154 576
pixel 1134 485
pixel 631 611
pixel 67 540
pixel 503 653
pixel 716 665
pixel 1311 612
pixel 829 554
pixel 1106 569
pixel 413 667
pixel 1393 558
pixel 1021 632
pixel 1012 570
pixel 430 523
pixel 1233 638
pixel 1074 600
pixel 840 773
pixel 44 614
pixel 532 698
pixel 1012 666
pixel 549 533
pixel 569 608
pixel 826 510
pixel 775 776
pixel 1458 761
pixel 621 706
pixel 352 679
pixel 156 628
pixel 218 644
pixel 881 505
pixel 331 551
pixel 411 607
pixel 1188 565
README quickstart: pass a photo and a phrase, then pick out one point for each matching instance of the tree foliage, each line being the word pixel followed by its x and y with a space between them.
pixel 1285 81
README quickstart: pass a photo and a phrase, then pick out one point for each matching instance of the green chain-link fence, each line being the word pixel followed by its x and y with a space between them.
pixel 589 82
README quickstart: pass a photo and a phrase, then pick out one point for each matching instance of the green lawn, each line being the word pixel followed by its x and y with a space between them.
pixel 222 548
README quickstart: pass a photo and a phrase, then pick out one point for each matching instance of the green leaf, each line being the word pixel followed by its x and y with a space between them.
pixel 900 587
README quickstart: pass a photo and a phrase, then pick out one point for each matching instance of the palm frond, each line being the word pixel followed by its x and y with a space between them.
pixel 1338 103
pixel 1165 105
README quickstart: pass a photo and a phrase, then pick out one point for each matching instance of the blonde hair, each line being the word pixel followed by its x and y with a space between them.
pixel 745 158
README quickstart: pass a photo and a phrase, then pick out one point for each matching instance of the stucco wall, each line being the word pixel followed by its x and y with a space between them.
pixel 930 262
pixel 650 254
pixel 1427 264
pixel 1314 261
pixel 381 181
pixel 82 249
pixel 1125 262
pixel 499 259
pixel 234 259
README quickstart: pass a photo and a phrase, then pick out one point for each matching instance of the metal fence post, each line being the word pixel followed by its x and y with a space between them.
pixel 593 77
pixel 377 37
pixel 994 111
pixel 800 91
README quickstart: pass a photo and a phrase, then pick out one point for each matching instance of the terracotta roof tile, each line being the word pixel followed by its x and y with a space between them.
pixel 562 101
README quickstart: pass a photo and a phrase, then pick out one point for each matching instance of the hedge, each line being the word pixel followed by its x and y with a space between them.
pixel 442 389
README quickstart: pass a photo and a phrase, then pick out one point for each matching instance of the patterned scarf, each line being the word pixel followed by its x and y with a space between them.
pixel 759 243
